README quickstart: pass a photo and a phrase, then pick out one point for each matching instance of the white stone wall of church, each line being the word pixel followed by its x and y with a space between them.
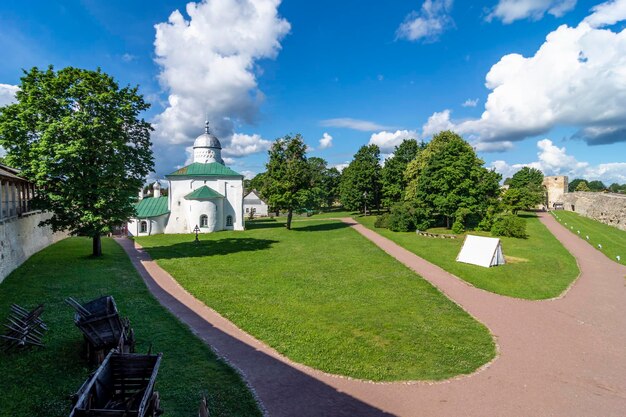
pixel 260 210
pixel 22 237
pixel 211 208
pixel 154 226
pixel 231 188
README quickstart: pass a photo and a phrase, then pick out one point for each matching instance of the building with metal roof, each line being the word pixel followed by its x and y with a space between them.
pixel 205 194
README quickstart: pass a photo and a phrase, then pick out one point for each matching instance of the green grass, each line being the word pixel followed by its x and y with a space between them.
pixel 323 295
pixel 612 239
pixel 38 382
pixel 538 267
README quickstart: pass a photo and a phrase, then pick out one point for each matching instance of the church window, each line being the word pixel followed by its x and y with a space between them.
pixel 247 209
pixel 229 220
pixel 143 227
pixel 204 221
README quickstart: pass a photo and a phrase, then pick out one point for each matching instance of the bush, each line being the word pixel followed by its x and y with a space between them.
pixel 509 225
pixel 406 217
pixel 458 227
pixel 382 221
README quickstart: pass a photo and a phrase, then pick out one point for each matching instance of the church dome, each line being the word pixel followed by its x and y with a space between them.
pixel 207 139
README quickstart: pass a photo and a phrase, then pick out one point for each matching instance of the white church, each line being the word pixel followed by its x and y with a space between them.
pixel 206 194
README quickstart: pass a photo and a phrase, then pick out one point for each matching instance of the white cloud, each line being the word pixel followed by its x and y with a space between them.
pixel 426 25
pixel 436 123
pixel 341 167
pixel 607 13
pixel 493 146
pixel 326 141
pixel 244 145
pixel 553 160
pixel 470 102
pixel 387 141
pixel 208 66
pixel 354 124
pixel 128 57
pixel 511 10
pixel 577 78
pixel 248 174
pixel 7 94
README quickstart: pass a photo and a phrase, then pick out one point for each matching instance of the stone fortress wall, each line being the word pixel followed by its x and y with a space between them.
pixel 21 237
pixel 556 186
pixel 607 208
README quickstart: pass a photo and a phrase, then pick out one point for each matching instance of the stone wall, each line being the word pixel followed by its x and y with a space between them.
pixel 607 208
pixel 556 187
pixel 20 237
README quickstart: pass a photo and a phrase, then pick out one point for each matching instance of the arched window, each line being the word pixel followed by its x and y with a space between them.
pixel 143 227
pixel 229 221
pixel 204 221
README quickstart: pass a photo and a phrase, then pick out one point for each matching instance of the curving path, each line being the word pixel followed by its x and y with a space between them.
pixel 562 357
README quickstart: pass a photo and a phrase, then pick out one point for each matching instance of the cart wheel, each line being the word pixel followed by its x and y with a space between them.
pixel 155 405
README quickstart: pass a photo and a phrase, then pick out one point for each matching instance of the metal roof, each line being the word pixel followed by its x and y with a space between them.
pixel 213 169
pixel 203 193
pixel 151 207
pixel 8 172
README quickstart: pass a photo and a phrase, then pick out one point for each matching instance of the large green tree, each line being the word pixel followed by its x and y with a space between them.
pixel 79 137
pixel 526 190
pixel 573 184
pixel 447 176
pixel 287 179
pixel 597 186
pixel 393 179
pixel 360 181
pixel 324 183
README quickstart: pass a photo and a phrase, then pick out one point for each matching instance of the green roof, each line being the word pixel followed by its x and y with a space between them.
pixel 214 169
pixel 203 193
pixel 151 207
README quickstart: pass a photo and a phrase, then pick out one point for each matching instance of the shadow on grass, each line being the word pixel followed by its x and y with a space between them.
pixel 320 227
pixel 263 224
pixel 206 248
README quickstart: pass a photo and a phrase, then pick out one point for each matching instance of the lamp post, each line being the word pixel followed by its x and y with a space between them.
pixel 365 202
pixel 196 230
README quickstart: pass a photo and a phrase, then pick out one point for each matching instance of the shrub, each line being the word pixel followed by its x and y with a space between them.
pixel 406 217
pixel 509 225
pixel 458 227
pixel 382 221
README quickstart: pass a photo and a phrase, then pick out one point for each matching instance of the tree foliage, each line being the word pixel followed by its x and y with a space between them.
pixel 573 184
pixel 323 188
pixel 393 181
pixel 525 191
pixel 617 188
pixel 360 181
pixel 287 179
pixel 79 137
pixel 510 226
pixel 597 186
pixel 527 177
pixel 583 186
pixel 447 175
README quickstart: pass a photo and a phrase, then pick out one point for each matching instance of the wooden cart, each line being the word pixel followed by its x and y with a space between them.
pixel 102 327
pixel 123 386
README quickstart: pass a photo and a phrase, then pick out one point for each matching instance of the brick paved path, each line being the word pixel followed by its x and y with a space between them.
pixel 562 357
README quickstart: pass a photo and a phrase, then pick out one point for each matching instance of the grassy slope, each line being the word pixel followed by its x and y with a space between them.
pixel 612 239
pixel 324 296
pixel 39 381
pixel 543 268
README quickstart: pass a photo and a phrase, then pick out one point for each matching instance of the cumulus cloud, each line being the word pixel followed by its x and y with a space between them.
pixel 607 13
pixel 7 94
pixel 244 145
pixel 207 63
pixel 553 160
pixel 354 124
pixel 326 141
pixel 436 123
pixel 428 23
pixel 340 167
pixel 387 141
pixel 470 102
pixel 248 174
pixel 577 78
pixel 509 11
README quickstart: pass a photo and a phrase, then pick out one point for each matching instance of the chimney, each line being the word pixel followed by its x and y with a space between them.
pixel 157 190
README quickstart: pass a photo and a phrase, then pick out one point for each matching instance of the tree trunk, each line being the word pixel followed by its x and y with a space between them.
pixel 97 246
pixel 447 222
pixel 289 216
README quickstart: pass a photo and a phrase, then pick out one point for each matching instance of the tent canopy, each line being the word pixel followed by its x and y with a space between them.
pixel 481 251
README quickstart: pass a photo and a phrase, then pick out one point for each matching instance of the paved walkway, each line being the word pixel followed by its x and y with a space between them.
pixel 563 357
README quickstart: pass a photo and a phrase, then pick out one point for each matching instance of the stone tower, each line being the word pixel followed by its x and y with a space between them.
pixel 556 186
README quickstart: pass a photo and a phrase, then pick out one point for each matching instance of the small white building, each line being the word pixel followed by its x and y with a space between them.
pixel 253 203
pixel 205 193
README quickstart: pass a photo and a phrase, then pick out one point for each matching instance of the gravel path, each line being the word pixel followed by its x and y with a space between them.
pixel 562 357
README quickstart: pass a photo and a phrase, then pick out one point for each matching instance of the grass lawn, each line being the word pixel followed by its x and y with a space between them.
pixel 612 239
pixel 538 267
pixel 324 296
pixel 39 382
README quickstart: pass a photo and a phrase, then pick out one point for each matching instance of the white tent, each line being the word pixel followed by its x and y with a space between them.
pixel 481 251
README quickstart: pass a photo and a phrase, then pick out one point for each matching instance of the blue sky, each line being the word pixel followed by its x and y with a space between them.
pixel 358 71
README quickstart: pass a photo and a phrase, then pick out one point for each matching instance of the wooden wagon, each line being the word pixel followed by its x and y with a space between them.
pixel 123 386
pixel 102 327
